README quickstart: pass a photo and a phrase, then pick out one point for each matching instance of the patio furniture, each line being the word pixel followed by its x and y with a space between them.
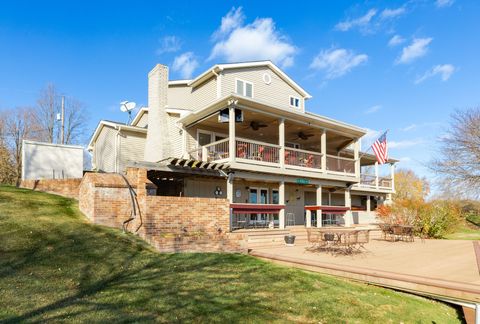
pixel 313 237
pixel 386 230
pixel 363 237
pixel 290 221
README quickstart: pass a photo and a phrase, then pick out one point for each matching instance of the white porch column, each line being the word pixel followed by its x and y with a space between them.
pixel 356 156
pixel 323 150
pixel 184 143
pixel 392 171
pixel 308 218
pixel 376 175
pixel 281 201
pixel 319 203
pixel 281 141
pixel 231 133
pixel 230 189
pixel 348 213
pixel 369 204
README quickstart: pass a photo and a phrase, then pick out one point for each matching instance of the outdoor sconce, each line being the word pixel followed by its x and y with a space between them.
pixel 218 192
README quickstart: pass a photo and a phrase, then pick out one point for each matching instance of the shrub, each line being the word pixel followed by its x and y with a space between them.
pixel 438 218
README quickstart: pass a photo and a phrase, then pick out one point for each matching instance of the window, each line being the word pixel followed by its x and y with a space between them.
pixel 244 88
pixel 294 102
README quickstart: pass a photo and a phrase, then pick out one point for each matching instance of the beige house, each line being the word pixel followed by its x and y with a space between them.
pixel 241 131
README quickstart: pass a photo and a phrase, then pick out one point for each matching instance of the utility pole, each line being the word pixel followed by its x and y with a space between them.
pixel 62 134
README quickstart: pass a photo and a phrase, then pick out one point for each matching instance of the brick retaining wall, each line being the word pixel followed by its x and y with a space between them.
pixel 170 224
pixel 63 187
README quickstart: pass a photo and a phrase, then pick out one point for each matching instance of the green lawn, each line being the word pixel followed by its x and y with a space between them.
pixel 465 231
pixel 54 265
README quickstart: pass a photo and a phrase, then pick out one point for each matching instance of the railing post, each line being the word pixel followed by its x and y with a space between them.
pixel 281 201
pixel 356 157
pixel 231 133
pixel 392 171
pixel 376 175
pixel 281 142
pixel 323 150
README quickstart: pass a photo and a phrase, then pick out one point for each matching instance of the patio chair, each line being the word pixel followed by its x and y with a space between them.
pixel 397 233
pixel 408 234
pixel 290 221
pixel 386 230
pixel 348 241
pixel 363 237
pixel 313 238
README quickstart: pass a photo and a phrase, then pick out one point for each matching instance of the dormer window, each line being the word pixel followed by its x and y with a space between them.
pixel 294 102
pixel 244 88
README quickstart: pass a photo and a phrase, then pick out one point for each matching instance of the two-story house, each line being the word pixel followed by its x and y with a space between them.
pixel 241 131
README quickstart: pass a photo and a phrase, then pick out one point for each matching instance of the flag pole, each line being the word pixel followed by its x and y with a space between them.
pixel 363 153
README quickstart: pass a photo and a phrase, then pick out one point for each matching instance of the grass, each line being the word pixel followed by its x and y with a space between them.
pixel 465 231
pixel 54 265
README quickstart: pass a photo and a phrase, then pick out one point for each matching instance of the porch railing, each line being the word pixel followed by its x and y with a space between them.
pixel 370 181
pixel 257 151
pixel 340 164
pixel 384 182
pixel 302 158
pixel 218 150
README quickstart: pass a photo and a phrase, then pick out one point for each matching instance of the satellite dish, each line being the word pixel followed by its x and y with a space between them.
pixel 128 106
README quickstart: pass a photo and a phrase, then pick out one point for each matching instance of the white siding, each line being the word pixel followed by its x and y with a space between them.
pixel 143 121
pixel 277 93
pixel 50 161
pixel 204 94
pixel 176 147
pixel 104 150
pixel 131 148
pixel 179 96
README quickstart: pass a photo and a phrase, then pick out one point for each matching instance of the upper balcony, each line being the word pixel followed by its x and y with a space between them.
pixel 273 144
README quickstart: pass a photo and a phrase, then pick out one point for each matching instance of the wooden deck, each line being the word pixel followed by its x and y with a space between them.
pixel 442 269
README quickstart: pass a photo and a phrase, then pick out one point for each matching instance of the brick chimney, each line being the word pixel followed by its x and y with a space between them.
pixel 156 146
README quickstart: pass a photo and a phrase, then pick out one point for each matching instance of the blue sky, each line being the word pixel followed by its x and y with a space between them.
pixel 397 65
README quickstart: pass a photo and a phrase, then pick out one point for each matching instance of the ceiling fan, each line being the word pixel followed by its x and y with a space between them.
pixel 303 136
pixel 256 125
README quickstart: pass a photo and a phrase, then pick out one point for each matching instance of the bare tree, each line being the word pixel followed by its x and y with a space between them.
pixel 7 170
pixel 49 105
pixel 19 124
pixel 75 121
pixel 459 160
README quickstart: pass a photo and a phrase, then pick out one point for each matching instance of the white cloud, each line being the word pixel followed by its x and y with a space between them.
pixel 358 22
pixel 422 125
pixel 232 20
pixel 445 71
pixel 256 41
pixel 392 13
pixel 185 63
pixel 369 138
pixel 405 159
pixel 396 40
pixel 443 3
pixel 373 109
pixel 405 143
pixel 337 62
pixel 169 44
pixel 417 49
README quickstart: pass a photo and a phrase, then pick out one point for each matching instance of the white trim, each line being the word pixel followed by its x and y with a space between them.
pixel 52 144
pixel 179 82
pixel 220 67
pixel 212 134
pixel 294 98
pixel 114 125
pixel 138 116
pixel 245 82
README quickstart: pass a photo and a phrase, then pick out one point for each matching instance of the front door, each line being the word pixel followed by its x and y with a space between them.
pixel 258 196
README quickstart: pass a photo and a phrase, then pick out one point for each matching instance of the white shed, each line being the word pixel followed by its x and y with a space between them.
pixel 51 161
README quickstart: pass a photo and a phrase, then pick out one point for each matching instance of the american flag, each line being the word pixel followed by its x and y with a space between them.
pixel 380 149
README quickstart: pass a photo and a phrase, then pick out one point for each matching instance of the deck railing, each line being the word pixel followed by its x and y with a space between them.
pixel 214 151
pixel 370 181
pixel 340 164
pixel 257 151
pixel 384 182
pixel 302 158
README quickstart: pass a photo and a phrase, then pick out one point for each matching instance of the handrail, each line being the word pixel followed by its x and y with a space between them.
pixel 341 157
pixel 302 151
pixel 215 143
pixel 256 142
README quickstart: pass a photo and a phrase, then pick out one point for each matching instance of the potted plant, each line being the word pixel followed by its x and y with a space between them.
pixel 289 240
